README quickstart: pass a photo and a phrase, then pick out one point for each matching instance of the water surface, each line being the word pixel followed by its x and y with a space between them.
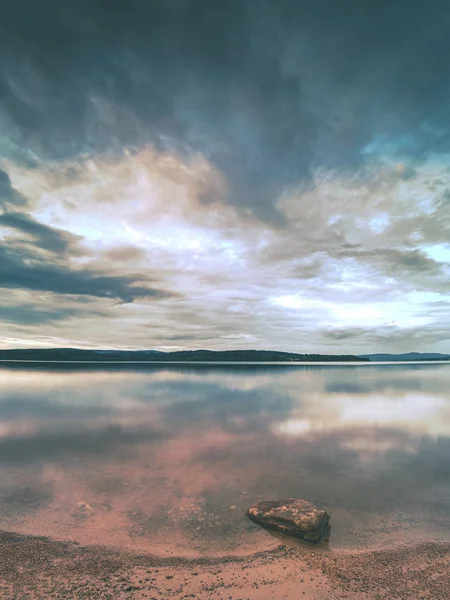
pixel 168 459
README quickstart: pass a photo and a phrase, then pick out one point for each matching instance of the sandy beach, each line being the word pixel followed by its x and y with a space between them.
pixel 35 568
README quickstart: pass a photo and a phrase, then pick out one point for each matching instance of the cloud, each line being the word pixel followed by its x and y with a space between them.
pixel 24 266
pixel 8 195
pixel 268 93
pixel 348 243
pixel 411 266
pixel 124 254
pixel 263 169
pixel 48 238
pixel 339 335
pixel 18 270
pixel 402 338
pixel 31 314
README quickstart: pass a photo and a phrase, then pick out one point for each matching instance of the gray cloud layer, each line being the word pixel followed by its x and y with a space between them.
pixel 16 271
pixel 267 91
pixel 279 164
pixel 23 265
pixel 46 237
pixel 8 195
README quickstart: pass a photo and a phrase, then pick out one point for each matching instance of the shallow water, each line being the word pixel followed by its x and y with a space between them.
pixel 169 459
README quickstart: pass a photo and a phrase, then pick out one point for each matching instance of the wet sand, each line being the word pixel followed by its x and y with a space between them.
pixel 37 568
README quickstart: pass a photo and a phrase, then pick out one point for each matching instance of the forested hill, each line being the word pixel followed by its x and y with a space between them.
pixel 75 354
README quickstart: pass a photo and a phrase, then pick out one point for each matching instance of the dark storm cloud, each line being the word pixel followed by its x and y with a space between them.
pixel 20 269
pixel 46 237
pixel 8 195
pixel 267 91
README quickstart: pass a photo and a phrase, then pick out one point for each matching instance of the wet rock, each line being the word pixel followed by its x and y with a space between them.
pixel 293 517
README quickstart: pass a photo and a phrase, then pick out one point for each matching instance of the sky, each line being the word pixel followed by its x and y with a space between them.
pixel 180 174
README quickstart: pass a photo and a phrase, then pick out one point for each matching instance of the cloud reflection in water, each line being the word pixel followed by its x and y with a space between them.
pixel 158 459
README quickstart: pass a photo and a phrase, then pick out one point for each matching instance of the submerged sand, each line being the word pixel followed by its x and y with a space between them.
pixel 34 568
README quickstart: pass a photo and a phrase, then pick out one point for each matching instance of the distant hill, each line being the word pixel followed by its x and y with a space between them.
pixel 409 356
pixel 76 354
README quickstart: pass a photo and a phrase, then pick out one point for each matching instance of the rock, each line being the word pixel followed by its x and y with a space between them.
pixel 293 517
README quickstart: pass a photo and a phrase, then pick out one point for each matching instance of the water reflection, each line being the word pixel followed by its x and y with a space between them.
pixel 169 459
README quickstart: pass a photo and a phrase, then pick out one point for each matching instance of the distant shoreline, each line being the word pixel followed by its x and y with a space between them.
pixel 77 355
pixel 192 357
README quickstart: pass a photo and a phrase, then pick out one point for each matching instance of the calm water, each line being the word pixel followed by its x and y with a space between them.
pixel 170 459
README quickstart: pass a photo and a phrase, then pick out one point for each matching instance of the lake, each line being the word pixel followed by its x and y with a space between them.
pixel 168 459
